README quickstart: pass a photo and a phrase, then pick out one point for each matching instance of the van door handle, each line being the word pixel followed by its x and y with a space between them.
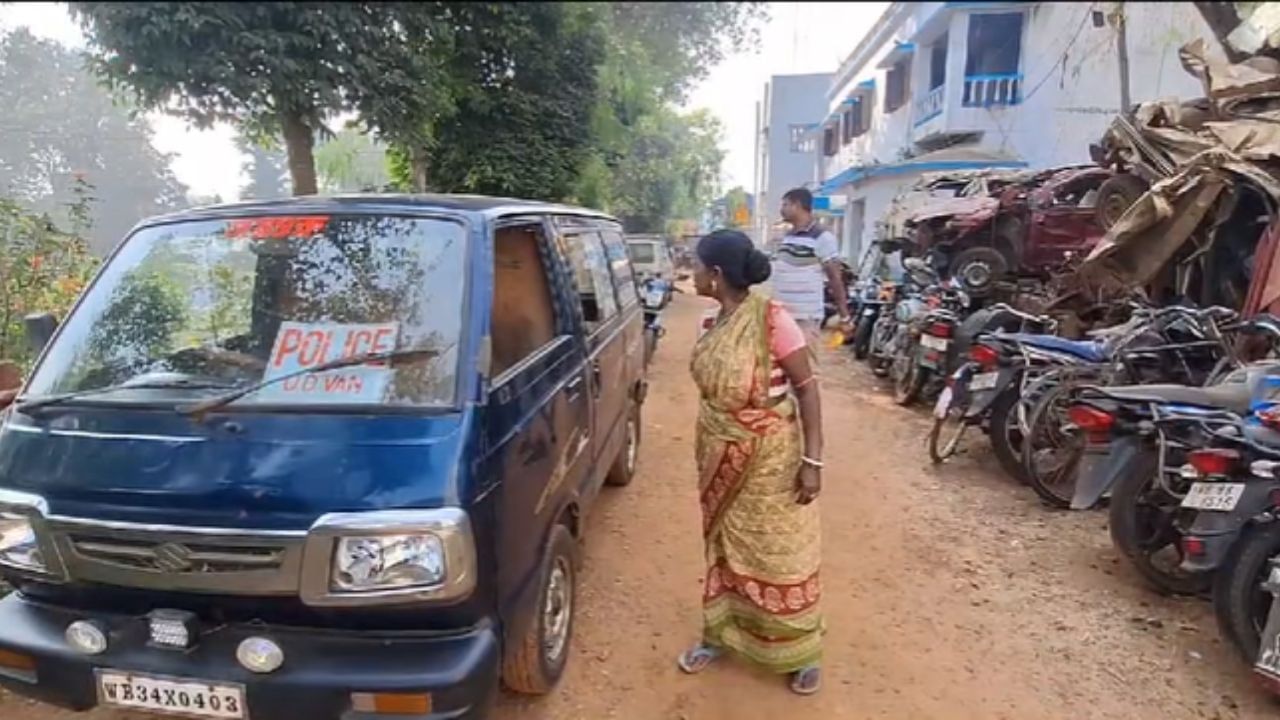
pixel 595 376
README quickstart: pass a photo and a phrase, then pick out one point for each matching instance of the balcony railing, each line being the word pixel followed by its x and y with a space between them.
pixel 929 106
pixel 992 90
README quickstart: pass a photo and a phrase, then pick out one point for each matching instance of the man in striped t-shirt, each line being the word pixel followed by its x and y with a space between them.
pixel 804 257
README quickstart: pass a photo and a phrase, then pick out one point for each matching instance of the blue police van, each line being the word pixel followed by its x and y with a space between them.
pixel 318 458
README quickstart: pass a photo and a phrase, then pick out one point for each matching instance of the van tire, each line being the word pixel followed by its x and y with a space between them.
pixel 623 470
pixel 528 666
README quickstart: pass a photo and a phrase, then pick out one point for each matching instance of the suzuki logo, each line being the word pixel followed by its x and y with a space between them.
pixel 172 557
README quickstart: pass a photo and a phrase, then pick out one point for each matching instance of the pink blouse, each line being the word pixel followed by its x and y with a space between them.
pixel 785 338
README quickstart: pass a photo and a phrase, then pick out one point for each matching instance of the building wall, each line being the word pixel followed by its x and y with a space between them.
pixel 1070 88
pixel 788 100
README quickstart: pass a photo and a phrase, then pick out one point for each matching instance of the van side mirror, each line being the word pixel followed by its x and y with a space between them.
pixel 40 329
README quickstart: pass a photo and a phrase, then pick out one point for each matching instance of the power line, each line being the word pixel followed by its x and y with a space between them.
pixel 1063 59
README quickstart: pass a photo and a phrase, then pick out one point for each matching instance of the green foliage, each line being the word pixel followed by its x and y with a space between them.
pixel 351 161
pixel 41 270
pixel 522 80
pixel 62 132
pixel 142 316
pixel 276 68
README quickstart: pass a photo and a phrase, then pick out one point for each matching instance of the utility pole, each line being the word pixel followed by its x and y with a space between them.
pixel 1122 57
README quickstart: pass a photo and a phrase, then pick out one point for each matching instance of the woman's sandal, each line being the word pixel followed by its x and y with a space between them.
pixel 806 681
pixel 696 659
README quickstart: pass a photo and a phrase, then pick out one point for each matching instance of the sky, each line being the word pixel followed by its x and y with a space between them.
pixel 799 38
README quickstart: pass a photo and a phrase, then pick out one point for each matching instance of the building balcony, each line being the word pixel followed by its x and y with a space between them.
pixel 929 106
pixel 992 90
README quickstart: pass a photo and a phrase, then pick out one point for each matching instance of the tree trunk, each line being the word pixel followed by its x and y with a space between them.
pixel 298 140
pixel 418 166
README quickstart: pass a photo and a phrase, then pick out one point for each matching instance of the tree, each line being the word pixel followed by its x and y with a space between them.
pixel 42 269
pixel 522 84
pixel 276 68
pixel 60 128
pixel 351 161
pixel 649 164
pixel 267 168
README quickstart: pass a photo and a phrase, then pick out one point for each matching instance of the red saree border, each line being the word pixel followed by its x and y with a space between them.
pixel 777 599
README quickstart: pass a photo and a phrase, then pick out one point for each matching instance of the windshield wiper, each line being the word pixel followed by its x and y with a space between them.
pixel 26 406
pixel 199 409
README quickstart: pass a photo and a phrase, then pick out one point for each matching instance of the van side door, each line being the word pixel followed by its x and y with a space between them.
pixel 537 419
pixel 605 322
pixel 628 298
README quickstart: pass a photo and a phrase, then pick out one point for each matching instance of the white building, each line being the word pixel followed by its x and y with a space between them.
pixel 784 144
pixel 968 85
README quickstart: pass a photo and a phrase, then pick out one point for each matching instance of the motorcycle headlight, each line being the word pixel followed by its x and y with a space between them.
pixel 18 546
pixel 389 556
pixel 392 561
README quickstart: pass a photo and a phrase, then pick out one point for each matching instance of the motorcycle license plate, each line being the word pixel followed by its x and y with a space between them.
pixel 983 381
pixel 934 343
pixel 1221 497
pixel 943 405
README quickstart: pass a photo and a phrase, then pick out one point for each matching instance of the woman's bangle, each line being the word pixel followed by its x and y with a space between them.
pixel 816 464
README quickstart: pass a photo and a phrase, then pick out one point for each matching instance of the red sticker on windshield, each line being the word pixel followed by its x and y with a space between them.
pixel 277 228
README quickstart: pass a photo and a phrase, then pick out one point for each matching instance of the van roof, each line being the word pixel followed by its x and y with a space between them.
pixel 481 205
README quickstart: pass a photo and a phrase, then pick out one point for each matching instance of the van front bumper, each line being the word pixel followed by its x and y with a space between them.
pixel 322 668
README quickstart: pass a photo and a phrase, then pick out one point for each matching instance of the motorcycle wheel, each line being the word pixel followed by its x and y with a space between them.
pixel 862 338
pixel 944 438
pixel 1240 605
pixel 908 377
pixel 1142 527
pixel 1048 440
pixel 1006 436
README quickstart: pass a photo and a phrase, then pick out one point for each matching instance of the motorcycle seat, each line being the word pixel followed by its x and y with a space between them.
pixel 1083 349
pixel 1233 397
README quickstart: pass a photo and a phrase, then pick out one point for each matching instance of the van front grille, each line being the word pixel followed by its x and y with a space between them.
pixel 173 557
pixel 230 562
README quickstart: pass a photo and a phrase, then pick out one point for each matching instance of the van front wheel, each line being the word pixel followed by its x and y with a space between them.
pixel 532 664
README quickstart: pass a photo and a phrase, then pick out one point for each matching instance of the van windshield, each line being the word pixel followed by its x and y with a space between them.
pixel 643 253
pixel 196 309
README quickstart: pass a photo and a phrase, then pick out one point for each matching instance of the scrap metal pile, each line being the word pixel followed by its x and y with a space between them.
pixel 1207 224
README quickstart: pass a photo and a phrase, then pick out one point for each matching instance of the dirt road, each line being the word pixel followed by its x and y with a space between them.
pixel 949 593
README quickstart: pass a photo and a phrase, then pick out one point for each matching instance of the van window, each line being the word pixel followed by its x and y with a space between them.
pixel 620 266
pixel 591 273
pixel 523 319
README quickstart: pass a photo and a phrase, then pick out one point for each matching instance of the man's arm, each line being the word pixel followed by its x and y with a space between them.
pixel 829 252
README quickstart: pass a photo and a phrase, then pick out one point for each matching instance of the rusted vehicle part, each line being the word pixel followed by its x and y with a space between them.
pixel 1023 228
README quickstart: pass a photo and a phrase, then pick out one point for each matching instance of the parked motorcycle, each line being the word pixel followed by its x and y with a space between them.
pixel 984 390
pixel 892 328
pixel 928 354
pixel 1175 345
pixel 656 296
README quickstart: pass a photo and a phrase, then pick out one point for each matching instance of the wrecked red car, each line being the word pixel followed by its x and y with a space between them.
pixel 1022 228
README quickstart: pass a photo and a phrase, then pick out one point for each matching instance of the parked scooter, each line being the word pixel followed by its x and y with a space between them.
pixel 891 332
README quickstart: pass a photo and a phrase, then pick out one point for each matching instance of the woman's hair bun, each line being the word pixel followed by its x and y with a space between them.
pixel 758 268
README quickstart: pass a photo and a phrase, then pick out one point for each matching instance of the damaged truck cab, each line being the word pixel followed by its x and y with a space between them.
pixel 322 458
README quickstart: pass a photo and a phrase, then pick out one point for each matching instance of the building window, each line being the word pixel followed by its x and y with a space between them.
pixel 856 118
pixel 938 63
pixel 829 146
pixel 995 44
pixel 897 85
pixel 801 142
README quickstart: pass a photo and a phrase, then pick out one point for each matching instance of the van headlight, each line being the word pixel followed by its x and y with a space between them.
pixel 391 561
pixel 19 548
pixel 389 556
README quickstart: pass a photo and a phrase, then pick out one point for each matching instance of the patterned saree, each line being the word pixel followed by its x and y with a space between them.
pixel 761 593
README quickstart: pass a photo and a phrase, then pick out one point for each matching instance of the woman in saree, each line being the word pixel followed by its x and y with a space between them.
pixel 759 453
